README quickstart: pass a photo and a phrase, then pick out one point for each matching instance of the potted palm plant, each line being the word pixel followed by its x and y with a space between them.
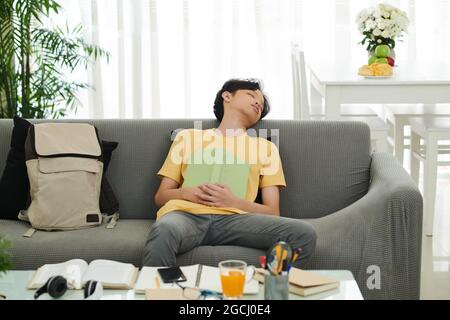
pixel 5 258
pixel 34 61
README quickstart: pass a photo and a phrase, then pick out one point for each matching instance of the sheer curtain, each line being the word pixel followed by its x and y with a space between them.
pixel 170 57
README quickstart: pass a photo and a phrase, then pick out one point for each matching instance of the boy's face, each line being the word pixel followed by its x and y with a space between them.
pixel 249 103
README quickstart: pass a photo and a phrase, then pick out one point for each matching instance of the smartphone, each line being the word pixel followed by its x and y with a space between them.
pixel 171 274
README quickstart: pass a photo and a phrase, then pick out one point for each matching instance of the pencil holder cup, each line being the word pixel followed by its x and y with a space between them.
pixel 276 287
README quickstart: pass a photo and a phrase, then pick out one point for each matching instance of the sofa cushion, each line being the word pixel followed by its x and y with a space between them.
pixel 125 242
pixel 326 164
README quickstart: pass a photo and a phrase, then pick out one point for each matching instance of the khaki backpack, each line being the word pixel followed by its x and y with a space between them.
pixel 65 166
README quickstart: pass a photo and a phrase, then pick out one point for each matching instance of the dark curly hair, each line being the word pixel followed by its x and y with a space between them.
pixel 234 85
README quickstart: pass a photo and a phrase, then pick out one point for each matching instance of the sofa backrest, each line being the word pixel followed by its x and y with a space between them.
pixel 326 164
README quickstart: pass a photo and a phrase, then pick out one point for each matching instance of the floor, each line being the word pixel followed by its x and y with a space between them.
pixel 435 278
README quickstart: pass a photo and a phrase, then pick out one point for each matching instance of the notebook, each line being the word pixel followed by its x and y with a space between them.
pixel 209 280
pixel 112 274
pixel 234 175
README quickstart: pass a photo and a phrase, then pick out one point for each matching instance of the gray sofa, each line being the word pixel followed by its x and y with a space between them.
pixel 365 208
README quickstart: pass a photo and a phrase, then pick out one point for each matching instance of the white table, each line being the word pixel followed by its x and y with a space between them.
pixel 339 83
pixel 14 284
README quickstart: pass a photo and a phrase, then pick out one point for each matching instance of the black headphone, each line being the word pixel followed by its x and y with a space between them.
pixel 56 286
pixel 93 290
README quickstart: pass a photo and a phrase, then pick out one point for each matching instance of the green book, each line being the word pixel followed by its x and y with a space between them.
pixel 235 176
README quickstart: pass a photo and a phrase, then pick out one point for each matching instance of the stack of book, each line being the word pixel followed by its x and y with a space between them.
pixel 304 283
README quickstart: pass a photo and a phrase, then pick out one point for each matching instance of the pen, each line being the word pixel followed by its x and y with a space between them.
pixel 294 257
pixel 296 254
pixel 157 283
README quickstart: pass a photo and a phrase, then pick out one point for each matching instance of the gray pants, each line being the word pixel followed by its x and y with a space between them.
pixel 178 232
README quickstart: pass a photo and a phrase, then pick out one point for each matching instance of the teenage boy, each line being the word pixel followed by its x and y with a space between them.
pixel 210 214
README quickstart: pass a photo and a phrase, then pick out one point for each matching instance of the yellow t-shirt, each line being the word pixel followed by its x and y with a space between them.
pixel 262 156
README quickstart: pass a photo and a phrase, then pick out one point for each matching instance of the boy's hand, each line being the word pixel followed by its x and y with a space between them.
pixel 192 194
pixel 217 195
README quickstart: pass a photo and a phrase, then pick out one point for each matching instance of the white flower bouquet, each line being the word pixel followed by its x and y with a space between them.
pixel 381 24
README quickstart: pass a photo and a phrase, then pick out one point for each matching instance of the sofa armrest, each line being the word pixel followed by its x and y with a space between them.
pixel 402 241
pixel 384 229
pixel 388 173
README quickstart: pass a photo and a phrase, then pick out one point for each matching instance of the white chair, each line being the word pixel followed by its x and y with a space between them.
pixel 303 109
pixel 397 118
pixel 431 130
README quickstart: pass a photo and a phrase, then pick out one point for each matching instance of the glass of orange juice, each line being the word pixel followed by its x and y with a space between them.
pixel 232 277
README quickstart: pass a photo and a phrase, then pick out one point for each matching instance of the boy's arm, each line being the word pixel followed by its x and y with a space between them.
pixel 270 202
pixel 169 190
pixel 219 195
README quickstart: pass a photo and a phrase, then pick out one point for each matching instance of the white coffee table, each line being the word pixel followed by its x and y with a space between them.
pixel 13 284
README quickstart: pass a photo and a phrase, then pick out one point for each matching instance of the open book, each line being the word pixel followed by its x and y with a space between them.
pixel 209 279
pixel 112 274
pixel 304 283
pixel 235 176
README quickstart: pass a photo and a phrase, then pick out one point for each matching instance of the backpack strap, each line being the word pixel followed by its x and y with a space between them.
pixel 108 201
pixel 29 233
pixel 112 220
pixel 109 205
pixel 24 217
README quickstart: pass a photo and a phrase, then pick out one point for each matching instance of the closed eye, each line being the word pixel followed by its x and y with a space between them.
pixel 253 96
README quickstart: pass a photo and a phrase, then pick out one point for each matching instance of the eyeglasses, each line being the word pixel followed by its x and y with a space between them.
pixel 199 294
